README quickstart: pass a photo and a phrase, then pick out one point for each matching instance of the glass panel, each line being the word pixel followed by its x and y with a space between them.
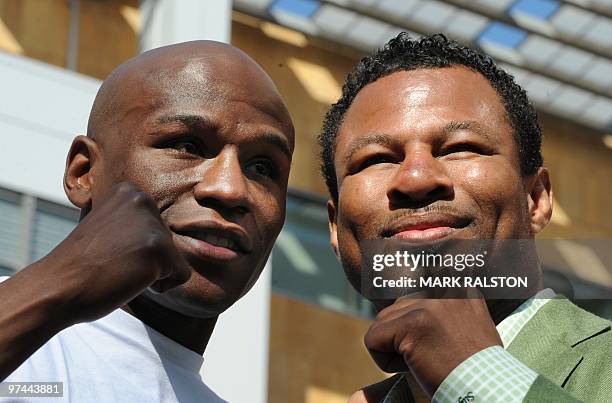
pixel 5 271
pixel 10 225
pixel 304 265
pixel 52 223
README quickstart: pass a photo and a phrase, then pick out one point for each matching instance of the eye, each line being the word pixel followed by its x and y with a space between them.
pixel 373 160
pixel 262 167
pixel 186 147
pixel 463 148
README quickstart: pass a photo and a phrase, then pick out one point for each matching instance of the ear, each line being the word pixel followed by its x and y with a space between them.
pixel 539 200
pixel 333 228
pixel 78 178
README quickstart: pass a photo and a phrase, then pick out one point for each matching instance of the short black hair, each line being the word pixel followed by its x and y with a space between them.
pixel 403 53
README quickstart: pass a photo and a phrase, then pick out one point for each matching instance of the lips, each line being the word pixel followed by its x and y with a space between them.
pixel 423 228
pixel 212 240
pixel 220 240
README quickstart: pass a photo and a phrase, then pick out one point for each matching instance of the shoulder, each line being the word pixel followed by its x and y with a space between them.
pixel 572 324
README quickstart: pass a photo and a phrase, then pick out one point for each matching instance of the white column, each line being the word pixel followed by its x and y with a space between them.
pixel 172 21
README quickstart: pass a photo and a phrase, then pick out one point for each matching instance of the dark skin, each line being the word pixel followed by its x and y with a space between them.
pixel 182 183
pixel 434 152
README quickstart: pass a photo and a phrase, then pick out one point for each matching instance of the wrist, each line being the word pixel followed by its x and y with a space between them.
pixel 45 296
pixel 441 364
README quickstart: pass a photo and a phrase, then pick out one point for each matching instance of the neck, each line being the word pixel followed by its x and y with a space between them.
pixel 500 309
pixel 192 333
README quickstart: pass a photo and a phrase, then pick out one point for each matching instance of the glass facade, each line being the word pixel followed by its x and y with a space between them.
pixel 303 263
pixel 30 228
pixel 10 228
pixel 52 223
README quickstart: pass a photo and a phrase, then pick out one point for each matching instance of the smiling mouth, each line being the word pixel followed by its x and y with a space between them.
pixel 425 234
pixel 208 245
pixel 213 239
pixel 425 230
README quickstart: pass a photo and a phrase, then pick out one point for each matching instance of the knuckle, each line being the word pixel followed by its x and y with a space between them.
pixel 124 188
pixel 154 241
pixel 420 320
pixel 383 313
pixel 140 199
pixel 418 315
pixel 405 347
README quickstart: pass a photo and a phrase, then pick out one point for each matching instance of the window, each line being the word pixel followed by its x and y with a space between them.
pixel 30 228
pixel 10 228
pixel 303 263
pixel 5 271
pixel 52 223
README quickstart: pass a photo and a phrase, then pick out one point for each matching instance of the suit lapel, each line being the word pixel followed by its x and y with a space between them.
pixel 547 343
pixel 400 392
pixel 548 357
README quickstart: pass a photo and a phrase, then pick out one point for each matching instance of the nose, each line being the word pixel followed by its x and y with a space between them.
pixel 223 185
pixel 420 180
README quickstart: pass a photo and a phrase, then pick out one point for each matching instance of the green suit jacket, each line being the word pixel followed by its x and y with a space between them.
pixel 571 349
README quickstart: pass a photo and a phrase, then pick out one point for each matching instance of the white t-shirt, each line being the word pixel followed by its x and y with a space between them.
pixel 115 359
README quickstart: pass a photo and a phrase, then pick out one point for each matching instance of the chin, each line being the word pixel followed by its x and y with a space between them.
pixel 195 300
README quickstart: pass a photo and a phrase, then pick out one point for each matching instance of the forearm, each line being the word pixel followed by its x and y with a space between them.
pixel 31 314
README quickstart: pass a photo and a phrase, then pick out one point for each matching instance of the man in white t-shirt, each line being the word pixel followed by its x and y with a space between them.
pixel 181 181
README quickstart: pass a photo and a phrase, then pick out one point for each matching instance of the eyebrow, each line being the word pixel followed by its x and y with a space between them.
pixel 276 140
pixel 200 122
pixel 374 138
pixel 189 120
pixel 472 126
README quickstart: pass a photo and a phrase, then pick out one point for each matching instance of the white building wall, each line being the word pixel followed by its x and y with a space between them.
pixel 170 21
pixel 42 108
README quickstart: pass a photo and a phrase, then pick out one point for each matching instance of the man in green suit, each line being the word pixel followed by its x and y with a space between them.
pixel 431 141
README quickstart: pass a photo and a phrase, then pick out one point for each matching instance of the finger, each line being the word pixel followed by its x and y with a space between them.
pixel 164 285
pixel 383 341
pixel 389 362
pixel 389 335
pixel 400 305
pixel 177 268
pixel 173 267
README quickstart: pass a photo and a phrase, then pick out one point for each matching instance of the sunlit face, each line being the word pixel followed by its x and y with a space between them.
pixel 215 155
pixel 424 155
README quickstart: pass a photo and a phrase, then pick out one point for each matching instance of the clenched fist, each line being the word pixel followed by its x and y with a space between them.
pixel 430 337
pixel 119 249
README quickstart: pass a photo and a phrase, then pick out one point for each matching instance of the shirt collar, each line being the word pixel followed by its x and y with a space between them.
pixel 511 326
